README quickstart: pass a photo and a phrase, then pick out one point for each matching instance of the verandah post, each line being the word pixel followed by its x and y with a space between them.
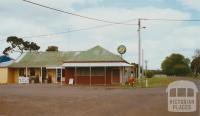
pixel 75 76
pixel 61 76
pixel 90 76
pixel 41 75
pixel 105 75
pixel 26 72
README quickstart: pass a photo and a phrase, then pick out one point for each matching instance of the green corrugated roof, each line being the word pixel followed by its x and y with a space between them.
pixel 56 59
pixel 97 53
pixel 43 59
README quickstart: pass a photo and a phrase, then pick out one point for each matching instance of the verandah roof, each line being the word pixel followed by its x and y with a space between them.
pixel 99 64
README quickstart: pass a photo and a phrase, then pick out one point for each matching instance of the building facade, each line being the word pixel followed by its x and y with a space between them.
pixel 95 66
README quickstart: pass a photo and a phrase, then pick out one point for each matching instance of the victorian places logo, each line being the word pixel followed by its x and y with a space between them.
pixel 182 96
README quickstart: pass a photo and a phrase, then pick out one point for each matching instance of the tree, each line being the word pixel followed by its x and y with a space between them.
pixel 149 74
pixel 19 45
pixel 195 64
pixel 176 64
pixel 181 69
pixel 52 48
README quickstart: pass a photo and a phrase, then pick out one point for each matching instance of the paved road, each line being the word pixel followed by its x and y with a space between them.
pixel 54 100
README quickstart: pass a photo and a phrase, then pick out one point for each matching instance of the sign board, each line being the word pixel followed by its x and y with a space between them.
pixel 71 81
pixel 23 80
pixel 121 49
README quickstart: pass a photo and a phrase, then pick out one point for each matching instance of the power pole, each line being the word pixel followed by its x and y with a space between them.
pixel 139 47
pixel 142 62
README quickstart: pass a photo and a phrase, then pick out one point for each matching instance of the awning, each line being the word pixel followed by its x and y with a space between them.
pixel 107 64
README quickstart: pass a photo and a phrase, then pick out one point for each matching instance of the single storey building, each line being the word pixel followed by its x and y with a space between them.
pixel 95 66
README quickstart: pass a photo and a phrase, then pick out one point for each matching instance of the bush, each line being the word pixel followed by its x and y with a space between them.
pixel 149 74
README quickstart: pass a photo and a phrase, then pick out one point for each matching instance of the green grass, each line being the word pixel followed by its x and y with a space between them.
pixel 152 82
pixel 158 82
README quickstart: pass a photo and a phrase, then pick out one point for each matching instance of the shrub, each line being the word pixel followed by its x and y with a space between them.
pixel 149 74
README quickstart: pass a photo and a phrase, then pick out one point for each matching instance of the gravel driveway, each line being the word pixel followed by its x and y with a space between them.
pixel 56 100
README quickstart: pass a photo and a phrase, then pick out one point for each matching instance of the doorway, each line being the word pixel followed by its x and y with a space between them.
pixel 115 76
pixel 44 74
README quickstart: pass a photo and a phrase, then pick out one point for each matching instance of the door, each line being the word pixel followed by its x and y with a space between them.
pixel 115 76
pixel 44 74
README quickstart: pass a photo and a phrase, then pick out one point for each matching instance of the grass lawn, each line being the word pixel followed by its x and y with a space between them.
pixel 156 82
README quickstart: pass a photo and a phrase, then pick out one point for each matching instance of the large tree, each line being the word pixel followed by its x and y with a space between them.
pixel 195 64
pixel 19 45
pixel 176 64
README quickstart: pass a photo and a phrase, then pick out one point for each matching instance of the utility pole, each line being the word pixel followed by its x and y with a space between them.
pixel 139 47
pixel 142 62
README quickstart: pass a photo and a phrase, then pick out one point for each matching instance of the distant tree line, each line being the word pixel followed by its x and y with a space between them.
pixel 177 64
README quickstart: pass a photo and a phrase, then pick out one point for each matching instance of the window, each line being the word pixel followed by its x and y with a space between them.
pixel 32 72
pixel 98 72
pixel 58 75
pixel 21 72
pixel 83 71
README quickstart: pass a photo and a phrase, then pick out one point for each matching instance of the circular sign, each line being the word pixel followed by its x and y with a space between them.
pixel 121 49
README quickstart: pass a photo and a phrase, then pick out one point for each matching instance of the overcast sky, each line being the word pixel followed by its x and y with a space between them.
pixel 159 39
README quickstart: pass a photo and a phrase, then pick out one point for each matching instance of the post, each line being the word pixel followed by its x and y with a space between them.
pixel 41 75
pixel 123 77
pixel 75 76
pixel 61 76
pixel 146 82
pixel 90 77
pixel 142 62
pixel 46 76
pixel 122 73
pixel 139 47
pixel 26 72
pixel 56 79
pixel 104 75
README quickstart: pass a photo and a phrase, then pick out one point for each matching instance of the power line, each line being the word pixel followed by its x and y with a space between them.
pixel 78 15
pixel 165 19
pixel 71 31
